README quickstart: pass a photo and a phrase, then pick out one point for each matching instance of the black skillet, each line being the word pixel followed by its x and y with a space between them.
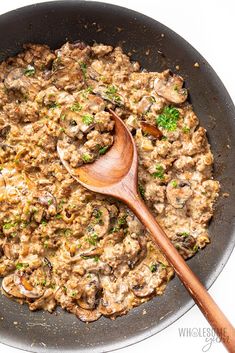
pixel 55 22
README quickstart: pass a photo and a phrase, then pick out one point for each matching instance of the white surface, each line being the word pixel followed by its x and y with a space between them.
pixel 209 27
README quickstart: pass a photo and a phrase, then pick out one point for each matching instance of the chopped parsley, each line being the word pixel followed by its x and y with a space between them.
pixel 44 282
pixel 87 119
pixel 86 91
pixel 97 213
pixel 141 190
pixel 76 107
pixel 184 234
pixel 50 201
pixel 96 258
pixel 83 67
pixel 54 105
pixel 86 157
pixel 185 130
pixel 21 265
pixel 58 216
pixel 195 248
pixel 29 71
pixel 168 119
pixel 122 220
pixel 153 267
pixel 9 225
pixel 162 264
pixel 159 172
pixel 45 244
pixel 102 150
pixel 66 232
pixel 74 293
pixel 174 184
pixel 92 239
pixel 112 95
pixel 44 222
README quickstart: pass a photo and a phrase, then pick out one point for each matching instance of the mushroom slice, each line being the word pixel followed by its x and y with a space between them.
pixel 185 244
pixel 90 292
pixel 4 131
pixel 16 79
pixel 46 198
pixel 25 288
pixel 170 88
pixel 151 130
pixel 116 297
pixel 143 282
pixel 144 105
pixel 178 192
pixel 46 301
pixel 10 288
pixel 86 315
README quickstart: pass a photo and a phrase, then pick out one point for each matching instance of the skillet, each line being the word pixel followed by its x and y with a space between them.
pixel 55 22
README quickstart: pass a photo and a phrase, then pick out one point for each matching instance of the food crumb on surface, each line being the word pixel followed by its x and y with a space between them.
pixel 225 194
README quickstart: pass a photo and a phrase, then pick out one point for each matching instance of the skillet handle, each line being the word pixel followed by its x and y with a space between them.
pixel 202 298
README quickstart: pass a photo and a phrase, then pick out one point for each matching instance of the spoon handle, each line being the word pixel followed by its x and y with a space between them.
pixel 207 305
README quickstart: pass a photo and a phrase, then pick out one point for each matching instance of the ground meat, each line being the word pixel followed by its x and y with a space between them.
pixel 61 244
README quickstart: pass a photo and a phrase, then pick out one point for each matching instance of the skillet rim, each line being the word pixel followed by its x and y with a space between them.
pixel 226 255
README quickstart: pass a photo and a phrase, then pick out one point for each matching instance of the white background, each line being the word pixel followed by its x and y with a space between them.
pixel 209 26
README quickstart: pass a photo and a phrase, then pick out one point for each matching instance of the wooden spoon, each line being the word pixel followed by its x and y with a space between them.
pixel 115 174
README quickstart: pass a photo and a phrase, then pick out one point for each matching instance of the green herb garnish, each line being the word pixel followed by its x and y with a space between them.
pixel 162 264
pixel 45 244
pixel 21 265
pixel 112 95
pixel 9 225
pixel 86 157
pixel 97 213
pixel 87 119
pixel 168 119
pixel 184 234
pixel 62 117
pixel 76 107
pixel 141 190
pixel 29 71
pixel 153 267
pixel 102 150
pixel 53 105
pixel 96 258
pixel 174 184
pixel 159 172
pixel 185 130
pixel 122 220
pixel 195 248
pixel 92 239
pixel 58 216
pixel 83 67
pixel 44 282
